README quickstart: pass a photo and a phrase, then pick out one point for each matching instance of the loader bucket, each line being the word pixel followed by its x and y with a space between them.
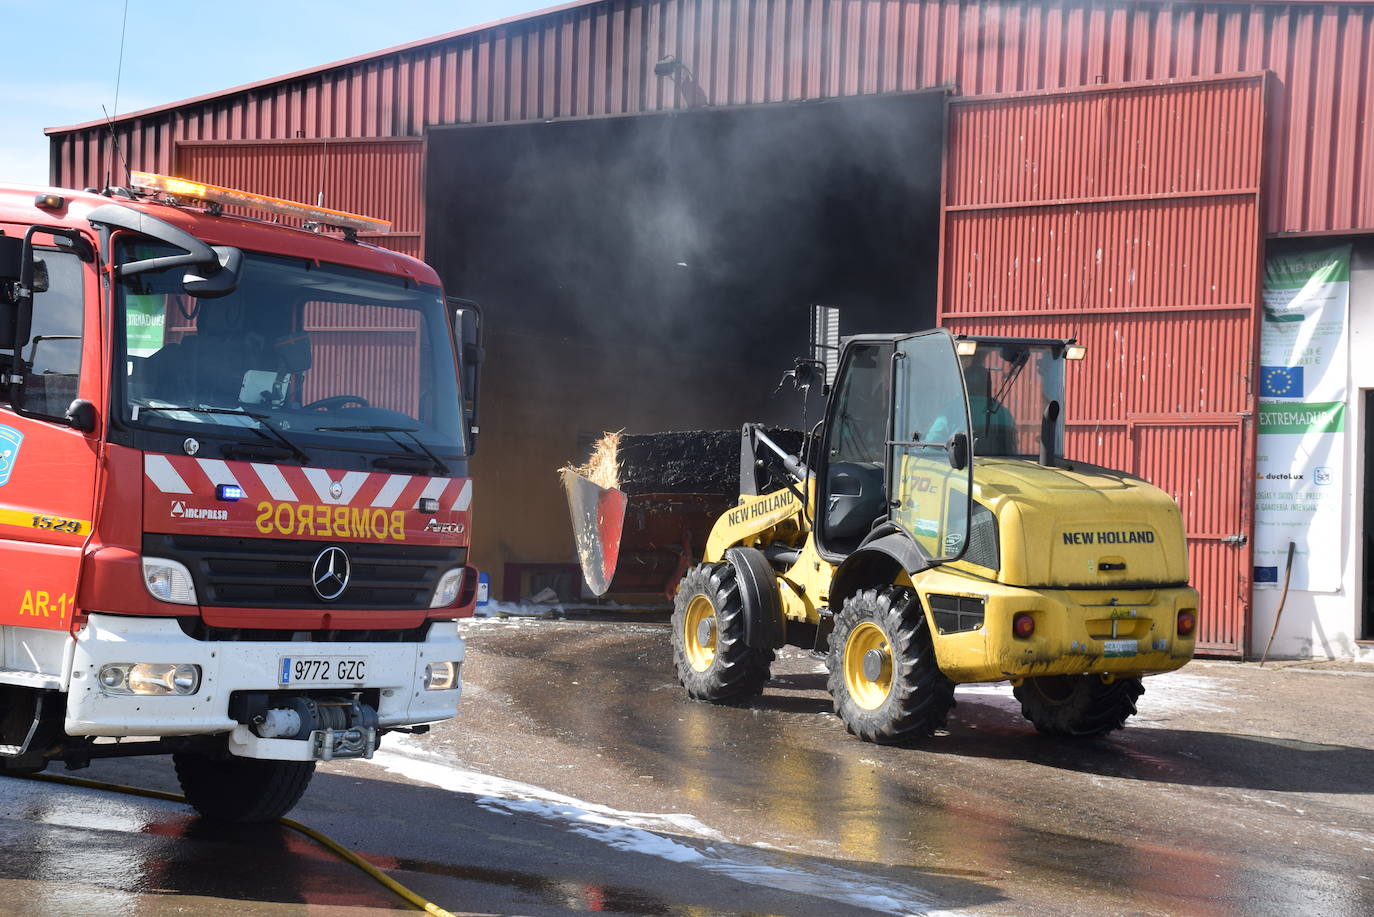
pixel 640 543
pixel 598 517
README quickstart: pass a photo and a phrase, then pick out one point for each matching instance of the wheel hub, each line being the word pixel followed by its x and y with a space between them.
pixel 868 665
pixel 699 633
pixel 706 631
pixel 876 662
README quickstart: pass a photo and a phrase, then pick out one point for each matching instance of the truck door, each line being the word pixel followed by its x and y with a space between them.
pixel 47 467
pixel 931 468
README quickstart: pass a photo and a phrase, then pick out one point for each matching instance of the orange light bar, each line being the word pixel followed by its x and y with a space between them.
pixel 200 191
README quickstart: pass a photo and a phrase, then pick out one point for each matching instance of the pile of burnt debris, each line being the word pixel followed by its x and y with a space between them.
pixel 682 462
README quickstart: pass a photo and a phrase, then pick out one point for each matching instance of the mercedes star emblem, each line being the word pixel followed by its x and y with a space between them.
pixel 329 576
pixel 335 489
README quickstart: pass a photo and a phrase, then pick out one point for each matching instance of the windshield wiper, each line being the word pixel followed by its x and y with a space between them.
pixel 408 431
pixel 263 419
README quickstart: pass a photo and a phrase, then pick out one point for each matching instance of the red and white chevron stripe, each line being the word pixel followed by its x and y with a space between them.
pixel 175 474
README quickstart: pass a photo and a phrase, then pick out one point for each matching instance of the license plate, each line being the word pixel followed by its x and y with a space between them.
pixel 1120 647
pixel 322 670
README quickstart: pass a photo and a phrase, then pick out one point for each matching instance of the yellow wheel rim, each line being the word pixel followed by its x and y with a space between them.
pixel 699 633
pixel 868 665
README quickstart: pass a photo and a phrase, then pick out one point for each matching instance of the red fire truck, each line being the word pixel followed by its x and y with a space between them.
pixel 234 502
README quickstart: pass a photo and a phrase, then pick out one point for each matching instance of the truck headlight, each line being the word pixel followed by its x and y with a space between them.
pixel 441 676
pixel 169 581
pixel 149 678
pixel 447 591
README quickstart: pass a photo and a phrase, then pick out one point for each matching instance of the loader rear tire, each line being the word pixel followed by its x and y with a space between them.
pixel 884 680
pixel 1078 705
pixel 713 662
pixel 242 790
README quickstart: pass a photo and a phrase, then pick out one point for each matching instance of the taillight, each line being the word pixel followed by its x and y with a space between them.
pixel 1187 623
pixel 1022 625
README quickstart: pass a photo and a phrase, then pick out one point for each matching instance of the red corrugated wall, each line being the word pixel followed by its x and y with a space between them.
pixel 377 178
pixel 1129 217
pixel 596 58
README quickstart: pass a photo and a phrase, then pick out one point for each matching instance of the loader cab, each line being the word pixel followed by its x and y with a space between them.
pixel 907 418
pixel 895 452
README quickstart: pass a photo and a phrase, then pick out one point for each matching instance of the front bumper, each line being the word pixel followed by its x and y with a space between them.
pixel 395 671
pixel 1122 632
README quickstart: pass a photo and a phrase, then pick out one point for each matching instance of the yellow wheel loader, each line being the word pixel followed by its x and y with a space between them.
pixel 932 534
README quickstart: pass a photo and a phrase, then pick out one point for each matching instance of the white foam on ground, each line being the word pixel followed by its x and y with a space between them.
pixel 1172 693
pixel 634 832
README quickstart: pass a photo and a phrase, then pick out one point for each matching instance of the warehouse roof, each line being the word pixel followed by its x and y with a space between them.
pixel 573 4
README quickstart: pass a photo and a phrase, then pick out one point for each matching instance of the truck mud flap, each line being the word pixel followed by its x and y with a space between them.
pixel 637 544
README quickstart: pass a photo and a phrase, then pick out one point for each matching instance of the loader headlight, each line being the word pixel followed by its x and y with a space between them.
pixel 169 581
pixel 441 676
pixel 149 678
pixel 447 591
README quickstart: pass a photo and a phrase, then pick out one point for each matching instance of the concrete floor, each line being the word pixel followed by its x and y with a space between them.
pixel 579 778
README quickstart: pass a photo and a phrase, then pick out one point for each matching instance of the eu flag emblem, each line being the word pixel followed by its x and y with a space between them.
pixel 1281 382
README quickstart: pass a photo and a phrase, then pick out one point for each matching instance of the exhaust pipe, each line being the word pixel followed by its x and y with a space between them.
pixel 1049 424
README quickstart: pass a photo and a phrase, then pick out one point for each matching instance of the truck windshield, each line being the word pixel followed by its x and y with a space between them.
pixel 300 355
pixel 1009 386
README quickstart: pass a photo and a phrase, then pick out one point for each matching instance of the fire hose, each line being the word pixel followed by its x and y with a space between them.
pixel 324 840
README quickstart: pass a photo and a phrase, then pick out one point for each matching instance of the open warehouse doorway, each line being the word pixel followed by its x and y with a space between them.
pixel 655 272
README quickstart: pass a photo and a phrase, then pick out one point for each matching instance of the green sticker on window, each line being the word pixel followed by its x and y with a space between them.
pixel 145 322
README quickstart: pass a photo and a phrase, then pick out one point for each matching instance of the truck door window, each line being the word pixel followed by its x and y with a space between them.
pixel 53 354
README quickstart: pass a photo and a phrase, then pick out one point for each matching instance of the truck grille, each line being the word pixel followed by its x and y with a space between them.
pixel 275 573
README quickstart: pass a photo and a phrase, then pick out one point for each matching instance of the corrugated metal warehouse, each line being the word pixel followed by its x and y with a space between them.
pixel 647 194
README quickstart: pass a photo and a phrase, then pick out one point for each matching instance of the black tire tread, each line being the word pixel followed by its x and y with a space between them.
pixel 921 695
pixel 242 790
pixel 739 671
pixel 1081 706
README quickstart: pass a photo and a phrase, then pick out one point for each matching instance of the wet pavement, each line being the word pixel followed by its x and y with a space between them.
pixel 579 778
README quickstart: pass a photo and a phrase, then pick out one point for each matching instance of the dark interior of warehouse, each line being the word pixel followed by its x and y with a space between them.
pixel 656 272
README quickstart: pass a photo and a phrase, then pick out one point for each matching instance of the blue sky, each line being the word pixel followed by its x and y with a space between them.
pixel 62 56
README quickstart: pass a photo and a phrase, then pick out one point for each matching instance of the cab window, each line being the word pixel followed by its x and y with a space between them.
pixel 52 356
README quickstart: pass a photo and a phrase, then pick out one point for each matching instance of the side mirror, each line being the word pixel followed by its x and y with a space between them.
pixel 11 258
pixel 467 326
pixel 81 415
pixel 40 281
pixel 958 450
pixel 213 281
pixel 806 373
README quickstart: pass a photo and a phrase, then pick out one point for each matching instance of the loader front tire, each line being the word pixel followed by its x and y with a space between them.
pixel 713 662
pixel 884 680
pixel 1078 705
pixel 242 790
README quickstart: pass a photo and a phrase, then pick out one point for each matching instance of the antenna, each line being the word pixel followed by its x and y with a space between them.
pixel 109 118
pixel 114 143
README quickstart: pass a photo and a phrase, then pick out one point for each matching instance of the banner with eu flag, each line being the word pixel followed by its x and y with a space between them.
pixel 1281 382
pixel 1300 467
